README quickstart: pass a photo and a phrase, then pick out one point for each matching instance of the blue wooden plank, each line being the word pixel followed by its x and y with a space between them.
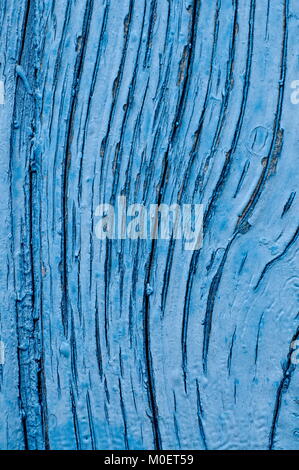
pixel 127 342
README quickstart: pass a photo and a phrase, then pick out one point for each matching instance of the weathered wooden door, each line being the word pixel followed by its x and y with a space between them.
pixel 117 342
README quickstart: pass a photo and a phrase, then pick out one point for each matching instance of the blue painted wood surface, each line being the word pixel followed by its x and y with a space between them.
pixel 140 344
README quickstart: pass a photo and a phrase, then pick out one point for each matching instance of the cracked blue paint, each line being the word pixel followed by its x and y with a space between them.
pixel 140 344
